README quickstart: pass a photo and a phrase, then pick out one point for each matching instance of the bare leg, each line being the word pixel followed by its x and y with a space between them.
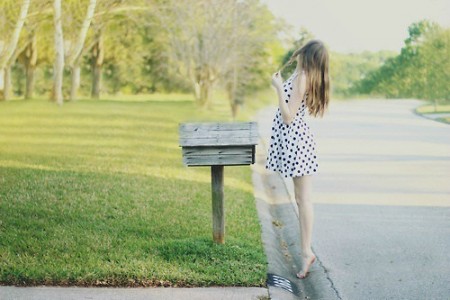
pixel 302 188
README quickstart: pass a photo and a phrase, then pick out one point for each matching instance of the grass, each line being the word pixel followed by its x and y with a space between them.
pixel 429 109
pixel 94 193
pixel 444 120
pixel 440 108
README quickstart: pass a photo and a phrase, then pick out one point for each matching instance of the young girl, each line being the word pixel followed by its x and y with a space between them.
pixel 292 150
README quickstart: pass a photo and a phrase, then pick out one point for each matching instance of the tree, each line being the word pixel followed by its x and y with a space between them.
pixel 421 70
pixel 9 47
pixel 434 54
pixel 97 56
pixel 30 55
pixel 34 47
pixel 58 67
pixel 346 69
pixel 75 51
pixel 198 38
pixel 112 26
pixel 253 35
pixel 211 40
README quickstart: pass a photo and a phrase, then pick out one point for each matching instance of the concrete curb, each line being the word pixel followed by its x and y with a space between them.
pixel 280 232
pixel 76 293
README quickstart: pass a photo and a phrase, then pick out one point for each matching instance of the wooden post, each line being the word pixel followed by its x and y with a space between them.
pixel 218 215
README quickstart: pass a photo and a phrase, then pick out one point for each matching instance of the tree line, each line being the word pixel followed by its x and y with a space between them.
pixel 421 70
pixel 56 48
pixel 60 49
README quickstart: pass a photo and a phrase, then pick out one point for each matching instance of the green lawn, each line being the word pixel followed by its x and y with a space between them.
pixel 429 109
pixel 95 193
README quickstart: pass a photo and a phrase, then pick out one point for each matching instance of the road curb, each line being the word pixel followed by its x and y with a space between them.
pixel 280 234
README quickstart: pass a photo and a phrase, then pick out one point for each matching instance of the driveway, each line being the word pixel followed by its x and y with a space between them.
pixel 381 199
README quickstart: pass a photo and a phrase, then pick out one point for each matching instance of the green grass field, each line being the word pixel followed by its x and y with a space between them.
pixel 95 193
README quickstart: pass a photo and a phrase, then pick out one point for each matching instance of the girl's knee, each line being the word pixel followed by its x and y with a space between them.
pixel 301 198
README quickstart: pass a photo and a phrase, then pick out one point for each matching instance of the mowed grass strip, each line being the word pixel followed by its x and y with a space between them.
pixel 94 193
pixel 430 109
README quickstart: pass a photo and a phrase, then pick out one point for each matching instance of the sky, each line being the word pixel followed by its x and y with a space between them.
pixel 358 25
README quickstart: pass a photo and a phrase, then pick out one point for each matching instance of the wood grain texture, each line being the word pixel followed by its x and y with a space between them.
pixel 220 150
pixel 218 160
pixel 218 134
pixel 218 214
pixel 220 126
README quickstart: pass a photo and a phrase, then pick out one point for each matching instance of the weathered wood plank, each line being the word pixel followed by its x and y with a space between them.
pixel 218 134
pixel 224 150
pixel 218 141
pixel 218 157
pixel 211 126
pixel 218 160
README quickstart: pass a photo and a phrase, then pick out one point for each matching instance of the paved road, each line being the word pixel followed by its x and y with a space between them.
pixel 382 199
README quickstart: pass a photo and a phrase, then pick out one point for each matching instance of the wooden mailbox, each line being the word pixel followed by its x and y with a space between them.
pixel 218 145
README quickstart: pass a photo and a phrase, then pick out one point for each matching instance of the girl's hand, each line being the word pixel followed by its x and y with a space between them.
pixel 277 81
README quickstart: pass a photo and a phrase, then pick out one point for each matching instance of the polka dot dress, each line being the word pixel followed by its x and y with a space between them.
pixel 292 150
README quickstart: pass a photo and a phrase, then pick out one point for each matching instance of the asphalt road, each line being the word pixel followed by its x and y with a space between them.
pixel 381 199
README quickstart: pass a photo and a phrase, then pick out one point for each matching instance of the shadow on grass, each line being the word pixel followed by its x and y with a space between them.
pixel 203 249
pixel 201 257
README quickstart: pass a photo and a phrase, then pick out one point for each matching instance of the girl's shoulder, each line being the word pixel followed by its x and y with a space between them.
pixel 292 77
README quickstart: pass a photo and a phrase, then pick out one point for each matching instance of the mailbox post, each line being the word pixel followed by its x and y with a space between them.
pixel 218 145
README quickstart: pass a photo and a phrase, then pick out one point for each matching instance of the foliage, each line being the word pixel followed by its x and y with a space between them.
pixel 213 41
pixel 235 43
pixel 421 70
pixel 348 68
pixel 429 109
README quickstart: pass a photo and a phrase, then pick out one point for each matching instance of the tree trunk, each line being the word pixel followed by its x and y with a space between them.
pixel 97 63
pixel 96 81
pixel 74 59
pixel 7 83
pixel 29 87
pixel 58 67
pixel 11 47
pixel 234 93
pixel 234 105
pixel 234 110
pixel 78 48
pixel 202 93
pixel 2 83
pixel 30 66
pixel 75 84
pixel 203 82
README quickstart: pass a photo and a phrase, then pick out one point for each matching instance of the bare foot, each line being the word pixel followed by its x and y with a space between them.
pixel 307 261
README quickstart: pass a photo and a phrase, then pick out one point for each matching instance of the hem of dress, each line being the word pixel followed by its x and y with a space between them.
pixel 295 175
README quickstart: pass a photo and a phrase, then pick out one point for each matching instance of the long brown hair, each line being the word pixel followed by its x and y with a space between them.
pixel 313 59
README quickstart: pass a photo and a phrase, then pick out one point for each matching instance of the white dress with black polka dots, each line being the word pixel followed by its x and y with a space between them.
pixel 292 150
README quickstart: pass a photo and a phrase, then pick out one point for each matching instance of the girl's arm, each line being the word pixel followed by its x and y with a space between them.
pixel 298 92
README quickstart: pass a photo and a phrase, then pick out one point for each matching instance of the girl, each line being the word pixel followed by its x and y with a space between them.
pixel 292 150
